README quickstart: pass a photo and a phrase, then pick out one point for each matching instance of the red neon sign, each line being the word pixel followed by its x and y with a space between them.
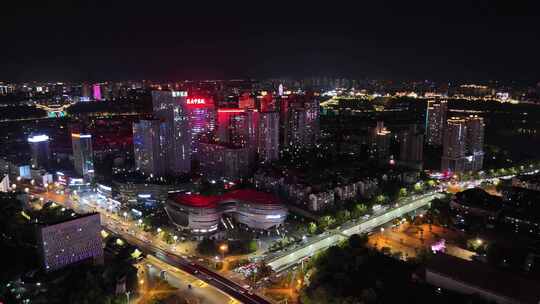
pixel 195 101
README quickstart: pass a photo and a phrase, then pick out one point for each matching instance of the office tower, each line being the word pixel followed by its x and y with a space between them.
pixel 380 142
pixel 411 147
pixel 202 119
pixel 149 158
pixel 463 144
pixel 40 151
pixel 96 91
pixel 70 241
pixel 83 155
pixel 268 139
pixel 170 108
pixel 436 121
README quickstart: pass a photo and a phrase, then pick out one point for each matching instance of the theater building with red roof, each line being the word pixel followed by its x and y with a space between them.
pixel 202 213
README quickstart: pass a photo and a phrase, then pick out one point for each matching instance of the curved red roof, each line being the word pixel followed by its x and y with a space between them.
pixel 196 200
pixel 212 201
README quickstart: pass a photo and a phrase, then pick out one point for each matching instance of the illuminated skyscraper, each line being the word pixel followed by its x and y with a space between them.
pixel 436 121
pixel 40 151
pixel 238 127
pixel 475 141
pixel 83 155
pixel 202 119
pixel 268 139
pixel 96 91
pixel 175 136
pixel 463 144
pixel 149 158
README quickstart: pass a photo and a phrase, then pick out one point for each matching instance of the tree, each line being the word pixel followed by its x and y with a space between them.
pixel 402 192
pixel 326 221
pixel 167 237
pixel 359 210
pixel 312 228
pixel 342 216
pixel 251 246
pixel 381 198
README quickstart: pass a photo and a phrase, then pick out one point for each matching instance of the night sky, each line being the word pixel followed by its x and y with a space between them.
pixel 439 40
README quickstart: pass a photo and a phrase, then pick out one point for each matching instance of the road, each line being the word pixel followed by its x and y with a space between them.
pixel 199 290
pixel 126 230
pixel 227 286
pixel 318 243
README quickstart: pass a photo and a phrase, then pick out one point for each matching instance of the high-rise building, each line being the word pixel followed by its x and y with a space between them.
pixel 475 142
pixel 71 241
pixel 268 139
pixel 266 102
pixel 436 121
pixel 40 151
pixel 147 147
pixel 202 119
pixel 239 128
pixel 83 155
pixel 170 108
pixel 222 161
pixel 86 92
pixel 299 119
pixel 246 101
pixel 411 147
pixel 380 138
pixel 96 91
pixel 463 144
pixel 106 91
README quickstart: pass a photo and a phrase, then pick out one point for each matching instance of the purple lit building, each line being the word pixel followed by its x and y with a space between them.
pixel 96 90
pixel 71 241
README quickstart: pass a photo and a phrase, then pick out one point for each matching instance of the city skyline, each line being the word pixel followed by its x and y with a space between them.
pixel 268 153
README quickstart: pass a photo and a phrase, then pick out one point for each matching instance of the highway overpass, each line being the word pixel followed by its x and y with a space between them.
pixel 318 243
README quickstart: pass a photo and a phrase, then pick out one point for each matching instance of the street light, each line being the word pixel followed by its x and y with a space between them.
pixel 223 248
